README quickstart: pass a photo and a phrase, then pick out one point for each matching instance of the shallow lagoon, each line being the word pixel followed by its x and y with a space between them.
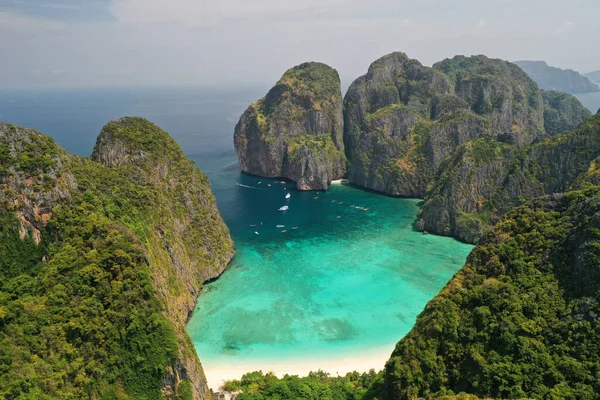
pixel 339 291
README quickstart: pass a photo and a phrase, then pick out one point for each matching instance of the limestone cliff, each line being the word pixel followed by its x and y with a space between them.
pixel 188 243
pixel 501 92
pixel 295 131
pixel 125 242
pixel 34 177
pixel 562 112
pixel 402 120
pixel 486 179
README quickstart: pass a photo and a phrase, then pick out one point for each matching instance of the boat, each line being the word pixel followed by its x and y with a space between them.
pixel 283 231
pixel 281 226
pixel 284 208
pixel 294 228
pixel 287 196
pixel 257 233
pixel 252 226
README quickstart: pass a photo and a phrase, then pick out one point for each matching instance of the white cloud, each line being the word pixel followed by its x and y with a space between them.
pixel 207 12
pixel 233 41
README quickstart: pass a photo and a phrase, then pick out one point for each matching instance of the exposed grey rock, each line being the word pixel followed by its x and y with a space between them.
pixel 295 132
pixel 402 120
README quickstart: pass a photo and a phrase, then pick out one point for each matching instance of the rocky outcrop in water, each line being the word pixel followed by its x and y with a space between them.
pixel 552 78
pixel 449 134
pixel 295 131
pixel 122 244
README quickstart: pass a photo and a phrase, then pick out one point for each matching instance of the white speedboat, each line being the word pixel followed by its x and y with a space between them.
pixel 284 208
pixel 287 196
pixel 281 226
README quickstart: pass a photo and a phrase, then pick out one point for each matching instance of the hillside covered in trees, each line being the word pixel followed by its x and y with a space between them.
pixel 101 261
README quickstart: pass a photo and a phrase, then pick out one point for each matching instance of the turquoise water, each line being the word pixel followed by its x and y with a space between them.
pixel 334 289
pixel 345 281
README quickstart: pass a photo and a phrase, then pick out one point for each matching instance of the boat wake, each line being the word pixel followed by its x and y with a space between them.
pixel 249 187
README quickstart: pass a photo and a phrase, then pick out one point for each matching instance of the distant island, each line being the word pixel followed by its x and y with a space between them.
pixel 594 77
pixel 562 80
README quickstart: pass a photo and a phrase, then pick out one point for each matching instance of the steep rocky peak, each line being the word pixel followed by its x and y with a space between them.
pixel 33 176
pixel 296 130
pixel 132 140
pixel 385 67
pixel 307 85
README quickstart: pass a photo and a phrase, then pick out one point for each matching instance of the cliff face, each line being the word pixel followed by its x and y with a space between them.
pixel 33 176
pixel 500 92
pixel 552 78
pixel 459 204
pixel 125 243
pixel 295 131
pixel 520 319
pixel 188 242
pixel 402 119
pixel 562 112
pixel 471 195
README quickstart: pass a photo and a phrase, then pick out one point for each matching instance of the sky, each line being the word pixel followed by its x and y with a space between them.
pixel 90 43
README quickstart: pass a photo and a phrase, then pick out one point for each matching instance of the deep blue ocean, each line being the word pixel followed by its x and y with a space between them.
pixel 336 293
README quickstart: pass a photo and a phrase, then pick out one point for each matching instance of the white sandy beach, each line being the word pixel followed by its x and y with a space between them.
pixel 336 364
pixel 339 181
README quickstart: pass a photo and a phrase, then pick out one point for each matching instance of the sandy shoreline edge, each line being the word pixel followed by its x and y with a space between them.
pixel 338 181
pixel 335 365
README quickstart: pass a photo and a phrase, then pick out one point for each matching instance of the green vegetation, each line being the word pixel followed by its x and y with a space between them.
pixel 485 150
pixel 321 147
pixel 520 319
pixel 309 86
pixel 88 321
pixel 96 309
pixel 6 160
pixel 141 135
pixel 506 84
pixel 316 386
pixel 299 122
pixel 562 112
pixel 315 81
